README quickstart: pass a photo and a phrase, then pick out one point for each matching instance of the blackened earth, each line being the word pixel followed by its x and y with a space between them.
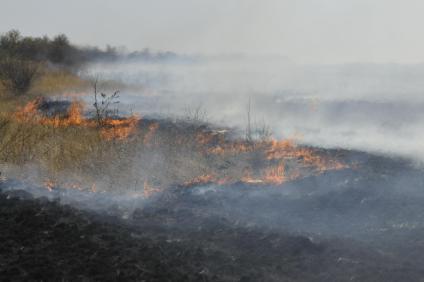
pixel 361 224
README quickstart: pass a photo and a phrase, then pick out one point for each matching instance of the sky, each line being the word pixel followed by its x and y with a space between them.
pixel 305 31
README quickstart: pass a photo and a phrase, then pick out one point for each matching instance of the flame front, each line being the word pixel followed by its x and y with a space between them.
pixel 275 175
pixel 120 128
pixel 226 161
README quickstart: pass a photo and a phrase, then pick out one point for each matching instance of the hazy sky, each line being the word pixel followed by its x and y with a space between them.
pixel 324 31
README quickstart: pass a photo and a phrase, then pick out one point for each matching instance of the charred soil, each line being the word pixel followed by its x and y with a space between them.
pixel 177 238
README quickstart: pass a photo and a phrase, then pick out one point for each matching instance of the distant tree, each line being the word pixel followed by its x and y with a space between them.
pixel 56 51
pixel 9 43
pixel 34 48
pixel 59 49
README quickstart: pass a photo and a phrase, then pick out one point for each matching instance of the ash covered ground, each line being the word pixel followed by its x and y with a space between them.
pixel 363 223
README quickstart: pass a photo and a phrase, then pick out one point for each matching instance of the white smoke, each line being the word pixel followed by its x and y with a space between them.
pixel 370 107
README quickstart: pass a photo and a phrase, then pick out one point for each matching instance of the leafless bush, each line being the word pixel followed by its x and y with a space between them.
pixel 195 116
pixel 102 103
pixel 255 131
pixel 17 75
pixel 262 132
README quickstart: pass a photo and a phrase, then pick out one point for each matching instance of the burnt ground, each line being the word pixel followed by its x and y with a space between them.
pixel 361 224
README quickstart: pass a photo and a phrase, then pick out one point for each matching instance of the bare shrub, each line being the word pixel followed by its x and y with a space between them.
pixel 102 103
pixel 255 131
pixel 17 75
pixel 196 115
pixel 262 132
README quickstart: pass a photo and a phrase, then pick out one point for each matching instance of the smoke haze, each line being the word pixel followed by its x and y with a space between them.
pixel 371 107
pixel 333 73
pixel 326 31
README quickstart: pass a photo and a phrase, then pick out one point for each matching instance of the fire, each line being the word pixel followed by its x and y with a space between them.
pixel 211 137
pixel 73 118
pixel 27 112
pixel 275 155
pixel 287 149
pixel 265 162
pixel 215 143
pixel 280 149
pixel 275 175
pixel 74 114
pixel 30 113
pixel 119 128
pixel 112 129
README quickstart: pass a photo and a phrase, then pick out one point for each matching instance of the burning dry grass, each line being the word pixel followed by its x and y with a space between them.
pixel 110 128
pixel 147 156
pixel 264 162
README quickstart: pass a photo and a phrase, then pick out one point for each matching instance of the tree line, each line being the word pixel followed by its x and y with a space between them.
pixel 57 50
pixel 22 56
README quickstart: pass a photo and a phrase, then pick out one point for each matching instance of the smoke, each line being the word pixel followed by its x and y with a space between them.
pixel 373 108
pixel 368 107
pixel 30 181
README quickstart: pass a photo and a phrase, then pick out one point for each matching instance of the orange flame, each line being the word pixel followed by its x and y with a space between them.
pixel 113 128
pixel 275 175
pixel 119 128
pixel 27 112
pixel 280 160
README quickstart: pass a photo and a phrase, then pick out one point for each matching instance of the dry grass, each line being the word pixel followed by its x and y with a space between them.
pixel 57 148
pixel 160 154
pixel 58 82
pixel 169 156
